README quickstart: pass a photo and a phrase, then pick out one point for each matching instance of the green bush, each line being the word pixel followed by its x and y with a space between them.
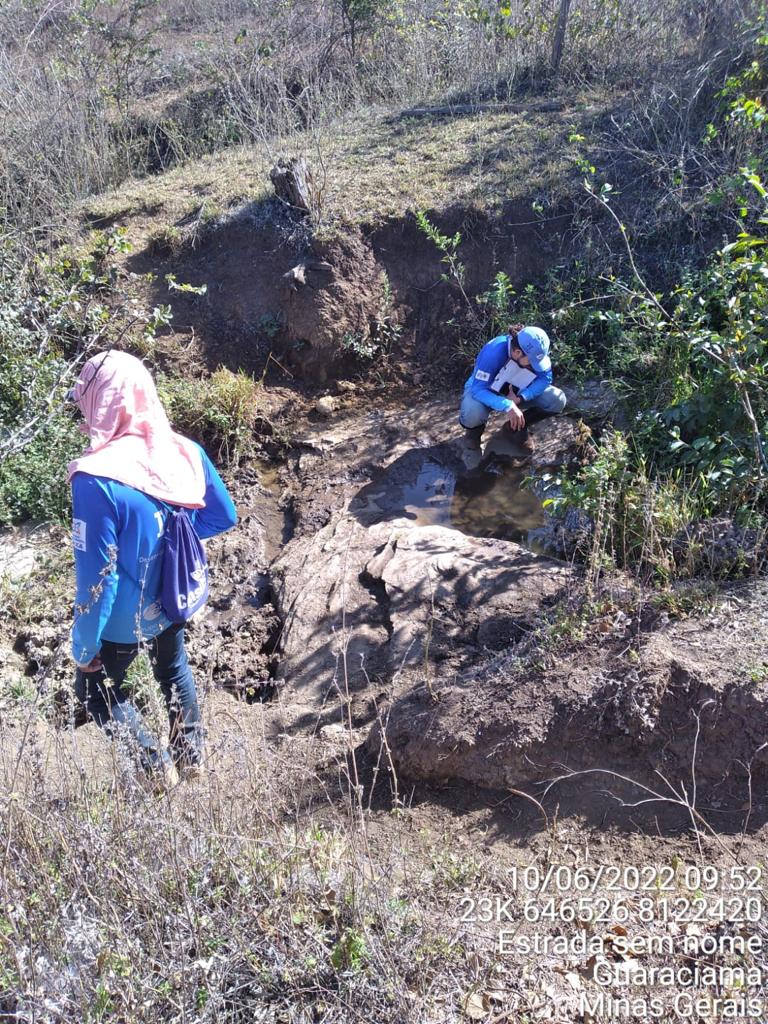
pixel 218 412
pixel 33 483
pixel 54 313
pixel 636 512
pixel 698 447
pixel 37 437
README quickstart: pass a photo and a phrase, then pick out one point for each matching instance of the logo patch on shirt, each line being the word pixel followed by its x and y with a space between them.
pixel 78 534
pixel 482 375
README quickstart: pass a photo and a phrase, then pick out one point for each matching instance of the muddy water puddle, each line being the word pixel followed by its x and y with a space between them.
pixel 279 523
pixel 265 526
pixel 435 489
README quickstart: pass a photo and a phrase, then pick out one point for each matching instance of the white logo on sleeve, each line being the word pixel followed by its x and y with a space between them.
pixel 78 534
pixel 482 375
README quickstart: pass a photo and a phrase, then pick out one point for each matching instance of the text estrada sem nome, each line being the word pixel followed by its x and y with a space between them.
pixel 582 944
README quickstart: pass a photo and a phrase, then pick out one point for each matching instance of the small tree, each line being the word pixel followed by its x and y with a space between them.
pixel 358 16
pixel 558 40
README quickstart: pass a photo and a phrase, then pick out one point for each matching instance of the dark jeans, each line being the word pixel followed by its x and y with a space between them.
pixel 106 702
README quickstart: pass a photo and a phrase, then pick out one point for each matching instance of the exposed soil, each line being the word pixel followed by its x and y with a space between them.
pixel 377 582
pixel 353 645
pixel 315 303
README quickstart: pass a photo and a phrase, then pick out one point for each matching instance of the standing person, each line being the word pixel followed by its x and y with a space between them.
pixel 526 348
pixel 133 468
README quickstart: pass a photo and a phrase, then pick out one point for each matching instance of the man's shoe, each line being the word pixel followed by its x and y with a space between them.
pixel 473 438
pixel 162 779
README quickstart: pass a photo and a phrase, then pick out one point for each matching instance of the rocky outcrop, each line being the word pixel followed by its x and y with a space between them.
pixel 367 596
pixel 368 604
pixel 449 594
pixel 597 402
pixel 556 441
pixel 476 659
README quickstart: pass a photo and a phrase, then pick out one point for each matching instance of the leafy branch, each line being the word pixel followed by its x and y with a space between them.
pixel 448 246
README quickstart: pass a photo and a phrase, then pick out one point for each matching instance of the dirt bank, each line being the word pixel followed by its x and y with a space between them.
pixel 321 301
pixel 358 587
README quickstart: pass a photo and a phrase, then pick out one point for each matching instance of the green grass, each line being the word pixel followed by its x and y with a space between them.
pixel 218 411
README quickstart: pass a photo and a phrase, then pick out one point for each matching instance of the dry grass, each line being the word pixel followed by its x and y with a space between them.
pixel 387 167
pixel 267 890
pixel 124 87
pixel 372 168
pixel 248 895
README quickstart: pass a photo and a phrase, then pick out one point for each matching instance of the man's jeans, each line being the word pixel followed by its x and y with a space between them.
pixel 475 414
pixel 107 703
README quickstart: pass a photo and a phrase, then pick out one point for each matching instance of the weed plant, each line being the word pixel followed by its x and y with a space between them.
pixel 53 313
pixel 228 899
pixel 219 411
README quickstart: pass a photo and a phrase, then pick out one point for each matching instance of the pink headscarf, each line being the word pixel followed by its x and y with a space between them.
pixel 131 438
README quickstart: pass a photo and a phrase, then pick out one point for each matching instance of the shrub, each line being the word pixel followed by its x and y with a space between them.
pixel 41 316
pixel 497 303
pixel 636 513
pixel 54 313
pixel 33 483
pixel 698 447
pixel 218 412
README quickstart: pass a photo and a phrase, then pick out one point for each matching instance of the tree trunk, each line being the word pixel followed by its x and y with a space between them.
pixel 559 39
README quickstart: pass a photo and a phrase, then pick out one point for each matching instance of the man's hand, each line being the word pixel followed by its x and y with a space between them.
pixel 94 665
pixel 516 418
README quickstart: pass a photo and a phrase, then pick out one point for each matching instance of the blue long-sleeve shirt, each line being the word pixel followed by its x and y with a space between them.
pixel 490 359
pixel 117 532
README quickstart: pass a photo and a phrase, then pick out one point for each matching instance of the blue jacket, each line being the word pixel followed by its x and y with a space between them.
pixel 117 534
pixel 490 359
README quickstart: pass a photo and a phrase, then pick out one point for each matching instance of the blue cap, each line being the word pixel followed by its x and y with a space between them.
pixel 535 343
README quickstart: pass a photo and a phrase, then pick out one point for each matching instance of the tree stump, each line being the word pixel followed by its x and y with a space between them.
pixel 295 184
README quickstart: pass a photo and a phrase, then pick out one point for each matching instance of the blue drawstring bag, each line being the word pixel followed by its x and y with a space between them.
pixel 184 580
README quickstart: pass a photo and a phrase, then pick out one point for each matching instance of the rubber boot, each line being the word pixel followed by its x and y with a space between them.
pixel 473 437
pixel 526 441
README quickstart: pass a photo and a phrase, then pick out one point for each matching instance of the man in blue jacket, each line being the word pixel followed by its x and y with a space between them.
pixel 523 348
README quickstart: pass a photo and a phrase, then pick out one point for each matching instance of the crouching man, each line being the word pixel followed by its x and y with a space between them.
pixel 512 373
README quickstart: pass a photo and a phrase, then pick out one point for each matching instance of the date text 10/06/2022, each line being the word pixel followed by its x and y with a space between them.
pixel 608 894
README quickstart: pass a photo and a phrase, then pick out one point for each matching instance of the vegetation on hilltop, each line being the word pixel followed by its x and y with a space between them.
pixel 667 129
pixel 106 89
